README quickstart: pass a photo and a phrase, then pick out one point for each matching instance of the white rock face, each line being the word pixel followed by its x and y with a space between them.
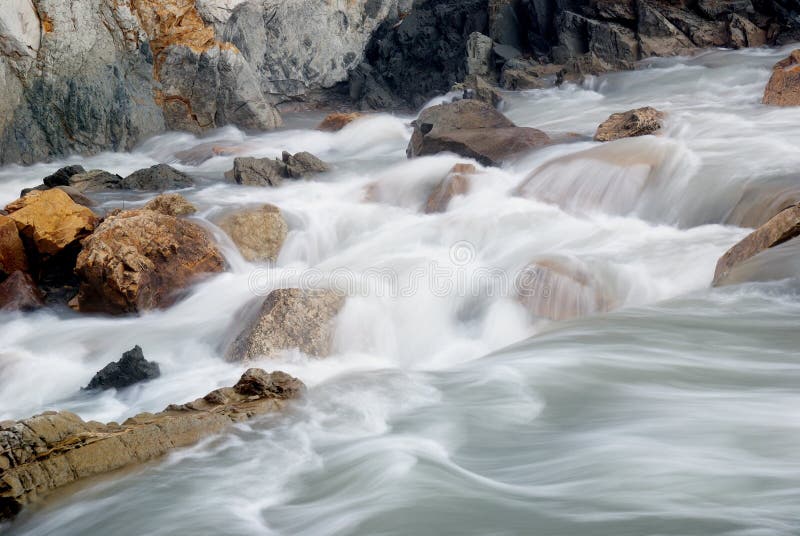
pixel 217 11
pixel 20 30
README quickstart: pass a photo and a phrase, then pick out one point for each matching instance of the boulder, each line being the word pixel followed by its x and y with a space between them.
pixel 44 453
pixel 783 227
pixel 62 176
pixel 783 88
pixel 140 260
pixel 639 122
pixel 456 183
pixel 157 179
pixel 302 164
pixel 473 129
pixel 77 196
pixel 130 369
pixel 19 293
pixel 95 180
pixel 479 54
pixel 478 88
pixel 12 251
pixel 50 220
pixel 289 318
pixel 337 121
pixel 744 34
pixel 171 205
pixel 250 171
pixel 259 232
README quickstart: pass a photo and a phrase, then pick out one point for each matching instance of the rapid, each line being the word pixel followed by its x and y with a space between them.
pixel 446 408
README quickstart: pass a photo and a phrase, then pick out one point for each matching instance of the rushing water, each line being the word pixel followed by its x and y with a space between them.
pixel 678 413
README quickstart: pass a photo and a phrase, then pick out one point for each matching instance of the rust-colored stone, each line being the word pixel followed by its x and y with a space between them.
pixel 783 88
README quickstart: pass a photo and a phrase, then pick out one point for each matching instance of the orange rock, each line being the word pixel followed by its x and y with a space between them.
pixel 639 122
pixel 783 88
pixel 12 252
pixel 51 220
pixel 337 121
pixel 456 183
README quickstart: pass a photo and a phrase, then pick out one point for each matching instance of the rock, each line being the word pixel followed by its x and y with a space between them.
pixel 48 451
pixel 783 88
pixel 456 183
pixel 132 368
pixel 77 196
pixel 639 122
pixel 259 233
pixel 95 180
pixel 12 251
pixel 19 293
pixel 337 121
pixel 62 176
pixel 783 227
pixel 289 318
pixel 472 129
pixel 171 205
pixel 302 164
pixel 157 179
pixel 521 75
pixel 744 34
pixel 479 54
pixel 716 9
pixel 249 171
pixel 476 87
pixel 51 221
pixel 139 260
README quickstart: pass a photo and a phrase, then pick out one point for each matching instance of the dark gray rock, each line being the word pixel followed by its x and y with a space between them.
pixel 62 176
pixel 132 368
pixel 157 179
pixel 95 180
pixel 250 171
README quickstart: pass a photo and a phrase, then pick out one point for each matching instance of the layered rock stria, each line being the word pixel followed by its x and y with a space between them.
pixel 48 451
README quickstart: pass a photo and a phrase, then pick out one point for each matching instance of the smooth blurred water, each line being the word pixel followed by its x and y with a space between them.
pixel 676 414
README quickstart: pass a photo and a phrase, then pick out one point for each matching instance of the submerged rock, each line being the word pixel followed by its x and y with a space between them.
pixel 456 183
pixel 157 178
pixel 473 129
pixel 139 260
pixel 259 232
pixel 337 121
pixel 782 228
pixel 19 293
pixel 639 122
pixel 48 451
pixel 783 88
pixel 130 369
pixel 12 251
pixel 171 205
pixel 289 318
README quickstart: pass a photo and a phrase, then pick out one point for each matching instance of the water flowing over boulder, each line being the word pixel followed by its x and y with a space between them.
pixel 639 122
pixel 50 220
pixel 12 251
pixel 337 121
pixel 473 129
pixel 130 369
pixel 456 183
pixel 171 205
pixel 259 233
pixel 19 293
pixel 139 260
pixel 43 453
pixel 156 179
pixel 783 88
pixel 250 171
pixel 782 228
pixel 289 318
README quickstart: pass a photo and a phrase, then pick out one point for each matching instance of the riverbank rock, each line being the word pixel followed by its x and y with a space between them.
pixel 156 179
pixel 130 369
pixel 139 260
pixel 12 251
pixel 783 88
pixel 171 205
pixel 19 293
pixel 337 121
pixel 639 122
pixel 473 129
pixel 249 171
pixel 43 453
pixel 782 228
pixel 456 183
pixel 50 220
pixel 259 233
pixel 289 318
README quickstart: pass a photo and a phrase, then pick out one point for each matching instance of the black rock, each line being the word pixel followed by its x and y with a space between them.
pixel 157 178
pixel 132 368
pixel 61 177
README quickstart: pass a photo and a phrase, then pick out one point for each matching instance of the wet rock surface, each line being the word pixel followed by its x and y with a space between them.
pixel 639 122
pixel 171 205
pixel 258 232
pixel 783 88
pixel 157 178
pixel 132 368
pixel 19 293
pixel 456 182
pixel 249 171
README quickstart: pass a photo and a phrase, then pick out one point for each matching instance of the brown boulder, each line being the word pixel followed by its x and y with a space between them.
pixel 782 228
pixel 139 259
pixel 289 318
pixel 473 129
pixel 639 122
pixel 456 183
pixel 12 252
pixel 258 232
pixel 337 121
pixel 48 451
pixel 783 88
pixel 50 220
pixel 171 205
pixel 19 293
